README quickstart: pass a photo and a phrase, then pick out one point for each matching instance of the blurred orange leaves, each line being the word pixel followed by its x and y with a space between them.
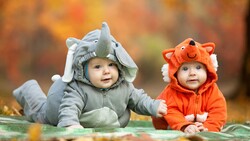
pixel 33 33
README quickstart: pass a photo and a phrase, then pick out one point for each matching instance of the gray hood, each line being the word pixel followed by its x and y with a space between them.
pixel 97 43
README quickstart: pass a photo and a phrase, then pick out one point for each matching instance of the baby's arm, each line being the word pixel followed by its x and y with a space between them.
pixel 143 104
pixel 75 127
pixel 162 109
pixel 217 111
pixel 70 108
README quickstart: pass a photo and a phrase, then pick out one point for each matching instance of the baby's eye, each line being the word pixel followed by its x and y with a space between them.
pixel 112 64
pixel 97 66
pixel 198 67
pixel 185 68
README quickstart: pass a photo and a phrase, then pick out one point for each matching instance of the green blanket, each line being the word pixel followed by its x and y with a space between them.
pixel 18 128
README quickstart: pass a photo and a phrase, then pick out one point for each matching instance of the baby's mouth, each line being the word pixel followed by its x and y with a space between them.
pixel 106 79
pixel 193 80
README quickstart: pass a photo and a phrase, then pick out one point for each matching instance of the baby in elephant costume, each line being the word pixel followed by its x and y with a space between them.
pixel 96 89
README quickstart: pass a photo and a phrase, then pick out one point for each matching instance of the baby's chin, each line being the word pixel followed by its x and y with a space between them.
pixel 106 86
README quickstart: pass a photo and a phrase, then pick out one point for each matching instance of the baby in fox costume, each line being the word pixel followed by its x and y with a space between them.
pixel 194 100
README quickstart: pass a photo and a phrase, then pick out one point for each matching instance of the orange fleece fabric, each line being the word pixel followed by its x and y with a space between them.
pixel 182 102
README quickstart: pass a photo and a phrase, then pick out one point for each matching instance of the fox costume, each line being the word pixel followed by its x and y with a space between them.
pixel 186 107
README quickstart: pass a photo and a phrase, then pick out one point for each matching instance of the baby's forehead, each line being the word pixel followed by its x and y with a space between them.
pixel 100 60
pixel 192 63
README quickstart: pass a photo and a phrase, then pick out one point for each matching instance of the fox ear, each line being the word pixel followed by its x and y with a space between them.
pixel 167 54
pixel 209 47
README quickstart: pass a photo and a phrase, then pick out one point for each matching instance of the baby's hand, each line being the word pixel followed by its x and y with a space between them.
pixel 200 126
pixel 75 127
pixel 162 109
pixel 191 129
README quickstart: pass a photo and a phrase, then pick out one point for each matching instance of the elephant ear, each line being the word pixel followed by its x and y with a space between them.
pixel 68 71
pixel 71 44
pixel 71 41
pixel 130 68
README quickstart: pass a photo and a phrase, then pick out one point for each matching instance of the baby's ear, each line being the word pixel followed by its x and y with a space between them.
pixel 209 47
pixel 167 54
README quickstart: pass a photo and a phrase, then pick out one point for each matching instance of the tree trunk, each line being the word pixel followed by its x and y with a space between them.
pixel 245 79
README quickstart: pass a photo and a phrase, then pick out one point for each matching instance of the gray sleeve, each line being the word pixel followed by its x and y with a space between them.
pixel 141 103
pixel 70 108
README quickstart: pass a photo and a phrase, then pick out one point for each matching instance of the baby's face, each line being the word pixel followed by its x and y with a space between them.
pixel 103 73
pixel 192 75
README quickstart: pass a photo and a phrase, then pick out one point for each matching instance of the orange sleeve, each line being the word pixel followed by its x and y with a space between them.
pixel 217 110
pixel 174 117
pixel 160 123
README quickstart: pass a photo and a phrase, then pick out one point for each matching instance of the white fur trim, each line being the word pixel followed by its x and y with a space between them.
pixel 214 61
pixel 55 77
pixel 190 118
pixel 164 71
pixel 201 118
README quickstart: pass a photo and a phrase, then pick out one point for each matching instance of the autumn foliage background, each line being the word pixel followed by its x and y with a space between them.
pixel 33 34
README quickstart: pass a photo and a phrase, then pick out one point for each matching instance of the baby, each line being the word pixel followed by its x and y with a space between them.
pixel 96 89
pixel 194 100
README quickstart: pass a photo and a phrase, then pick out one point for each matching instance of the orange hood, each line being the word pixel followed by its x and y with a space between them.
pixel 188 51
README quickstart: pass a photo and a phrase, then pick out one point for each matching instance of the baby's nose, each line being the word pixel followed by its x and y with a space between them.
pixel 192 71
pixel 106 70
